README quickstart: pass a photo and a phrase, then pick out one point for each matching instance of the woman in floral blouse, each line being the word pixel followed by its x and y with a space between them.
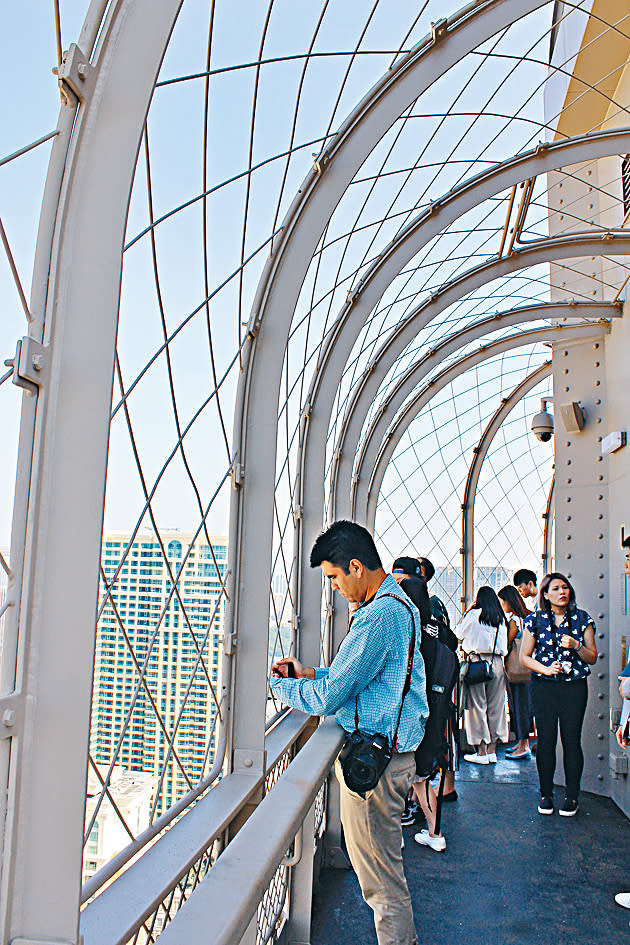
pixel 563 639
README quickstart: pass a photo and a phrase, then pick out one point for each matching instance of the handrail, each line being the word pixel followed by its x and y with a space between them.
pixel 121 908
pixel 222 906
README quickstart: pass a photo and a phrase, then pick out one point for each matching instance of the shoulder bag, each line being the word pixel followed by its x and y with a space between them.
pixel 476 670
pixel 514 669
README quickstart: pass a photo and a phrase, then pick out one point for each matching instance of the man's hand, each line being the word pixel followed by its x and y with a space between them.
pixel 622 740
pixel 281 668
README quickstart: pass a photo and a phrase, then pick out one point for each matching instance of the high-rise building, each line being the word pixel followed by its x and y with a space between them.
pixel 156 668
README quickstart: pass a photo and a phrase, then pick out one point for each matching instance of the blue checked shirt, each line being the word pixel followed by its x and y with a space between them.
pixel 371 665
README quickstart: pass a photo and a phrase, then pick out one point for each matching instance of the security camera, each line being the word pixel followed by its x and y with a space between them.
pixel 542 423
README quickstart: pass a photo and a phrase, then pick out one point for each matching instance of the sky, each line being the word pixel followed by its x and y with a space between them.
pixel 175 139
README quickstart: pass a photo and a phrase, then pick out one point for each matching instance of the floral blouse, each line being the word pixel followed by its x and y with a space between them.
pixel 547 636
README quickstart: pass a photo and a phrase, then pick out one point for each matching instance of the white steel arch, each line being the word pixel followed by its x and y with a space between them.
pixel 341 479
pixel 366 510
pixel 479 454
pixel 79 284
pixel 251 524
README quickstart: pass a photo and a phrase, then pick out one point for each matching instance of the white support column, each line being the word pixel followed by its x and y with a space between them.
pixel 581 528
pixel 42 855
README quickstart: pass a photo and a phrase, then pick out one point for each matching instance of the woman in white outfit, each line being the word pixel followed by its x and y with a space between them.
pixel 483 630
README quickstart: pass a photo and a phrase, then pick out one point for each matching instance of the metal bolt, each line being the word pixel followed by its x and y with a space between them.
pixel 82 71
pixel 247 763
pixel 8 718
pixel 37 362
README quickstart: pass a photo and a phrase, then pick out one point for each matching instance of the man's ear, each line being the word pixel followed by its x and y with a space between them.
pixel 356 567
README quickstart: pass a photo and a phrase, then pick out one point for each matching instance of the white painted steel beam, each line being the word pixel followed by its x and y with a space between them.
pixel 474 471
pixel 251 523
pixel 435 384
pixel 80 281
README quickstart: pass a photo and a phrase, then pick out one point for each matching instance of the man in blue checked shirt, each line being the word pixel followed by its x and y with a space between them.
pixel 368 673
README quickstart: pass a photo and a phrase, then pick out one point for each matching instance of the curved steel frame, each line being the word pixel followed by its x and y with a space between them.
pixel 341 487
pixel 548 516
pixel 251 522
pixel 479 454
pixel 435 384
pixel 69 427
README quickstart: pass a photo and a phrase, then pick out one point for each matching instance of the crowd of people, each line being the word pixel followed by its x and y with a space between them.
pixel 522 666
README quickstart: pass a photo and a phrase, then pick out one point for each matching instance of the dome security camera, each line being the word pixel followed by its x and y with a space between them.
pixel 542 424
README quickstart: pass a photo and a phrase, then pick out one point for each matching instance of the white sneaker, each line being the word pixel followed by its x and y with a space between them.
pixel 623 899
pixel 425 839
pixel 492 757
pixel 478 759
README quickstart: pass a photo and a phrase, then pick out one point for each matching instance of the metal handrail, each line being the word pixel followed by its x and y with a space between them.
pixel 221 908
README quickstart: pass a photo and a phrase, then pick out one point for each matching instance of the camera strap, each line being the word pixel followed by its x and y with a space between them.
pixel 407 683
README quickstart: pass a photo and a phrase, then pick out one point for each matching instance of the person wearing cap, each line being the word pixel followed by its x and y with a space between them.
pixel 623 898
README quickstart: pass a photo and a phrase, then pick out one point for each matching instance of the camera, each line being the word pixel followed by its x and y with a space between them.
pixel 542 426
pixel 363 760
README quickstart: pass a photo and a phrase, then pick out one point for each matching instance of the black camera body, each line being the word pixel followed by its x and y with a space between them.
pixel 363 760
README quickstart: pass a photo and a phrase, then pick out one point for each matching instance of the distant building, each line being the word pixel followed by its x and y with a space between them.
pixel 131 793
pixel 175 639
pixel 448 583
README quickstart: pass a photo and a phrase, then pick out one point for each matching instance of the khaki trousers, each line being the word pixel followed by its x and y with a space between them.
pixel 486 718
pixel 373 839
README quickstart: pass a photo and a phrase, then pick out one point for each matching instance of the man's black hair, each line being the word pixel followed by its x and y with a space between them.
pixel 524 576
pixel 415 587
pixel 488 603
pixel 410 566
pixel 427 568
pixel 342 542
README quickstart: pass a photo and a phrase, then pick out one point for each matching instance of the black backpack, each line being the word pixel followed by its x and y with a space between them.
pixel 442 673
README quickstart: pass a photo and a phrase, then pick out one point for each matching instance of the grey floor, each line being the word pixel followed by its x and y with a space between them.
pixel 508 875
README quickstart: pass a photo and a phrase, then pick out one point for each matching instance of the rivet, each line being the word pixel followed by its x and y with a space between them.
pixel 596 345
pixel 565 354
pixel 568 498
pixel 600 459
pixel 569 461
pixel 568 537
pixel 568 574
pixel 568 556
pixel 599 498
pixel 569 517
pixel 600 695
pixel 600 536
pixel 600 777
pixel 597 383
pixel 569 481
pixel 600 617
pixel 600 478
pixel 600 556
pixel 599 439
pixel 600 757
pixel 601 656
pixel 598 402
pixel 597 364
pixel 600 736
pixel 600 715
pixel 568 443
pixel 600 675
pixel 599 420
pixel 247 762
pixel 600 516
pixel 8 718
pixel 567 389
pixel 600 636
pixel 601 577
pixel 566 370
pixel 601 596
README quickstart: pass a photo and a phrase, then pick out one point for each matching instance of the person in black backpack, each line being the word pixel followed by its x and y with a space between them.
pixel 442 671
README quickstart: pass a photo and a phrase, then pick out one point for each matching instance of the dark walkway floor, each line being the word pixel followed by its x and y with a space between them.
pixel 508 875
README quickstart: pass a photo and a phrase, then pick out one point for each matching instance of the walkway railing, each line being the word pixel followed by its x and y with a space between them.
pixel 204 880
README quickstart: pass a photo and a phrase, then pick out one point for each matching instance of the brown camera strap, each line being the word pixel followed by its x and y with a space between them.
pixel 407 683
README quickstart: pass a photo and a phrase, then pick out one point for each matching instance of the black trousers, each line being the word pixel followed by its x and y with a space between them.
pixel 559 702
